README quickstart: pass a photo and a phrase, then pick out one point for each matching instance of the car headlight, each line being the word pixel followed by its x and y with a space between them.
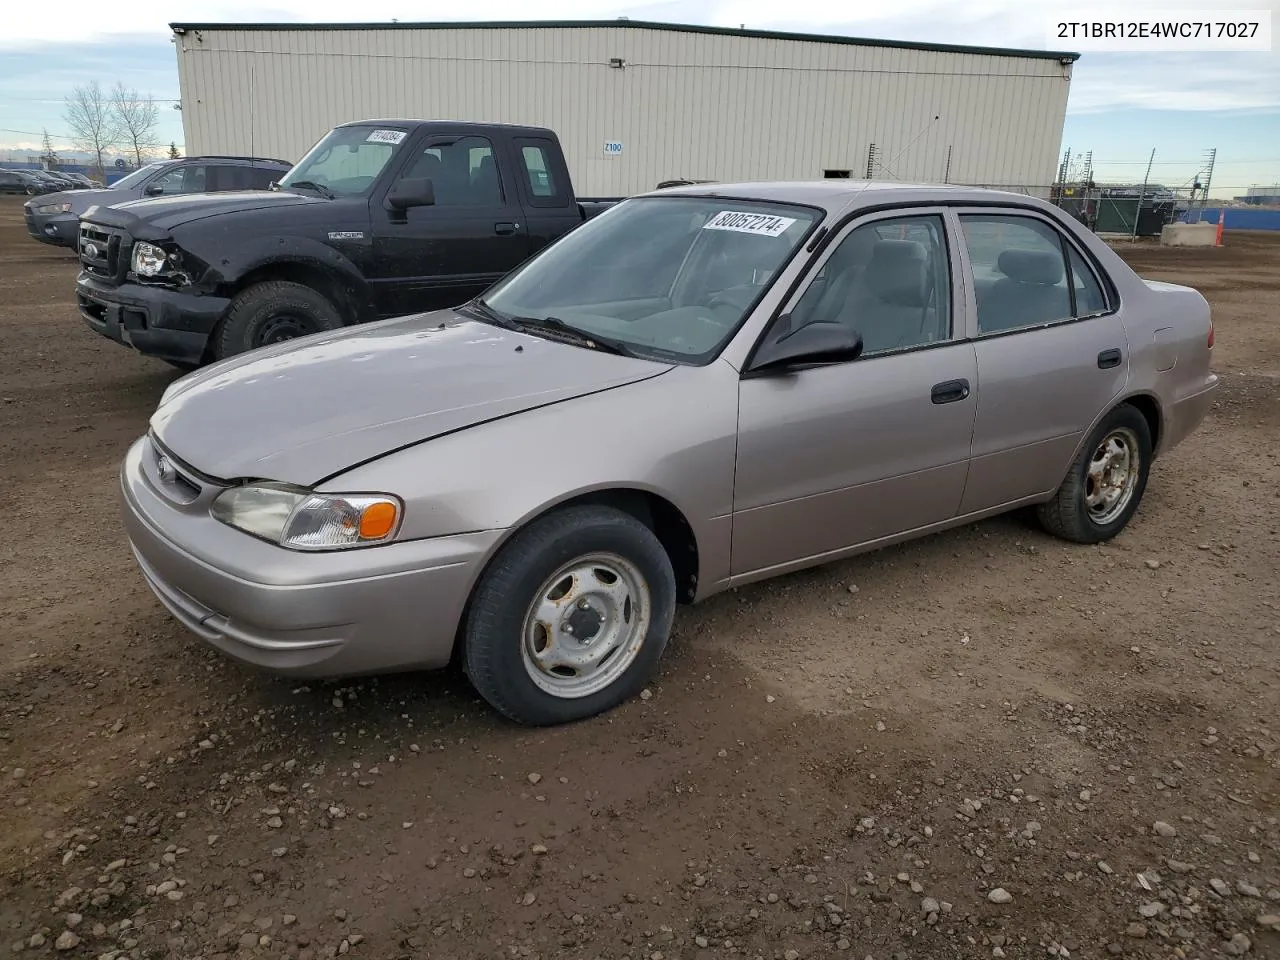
pixel 149 260
pixel 48 209
pixel 299 519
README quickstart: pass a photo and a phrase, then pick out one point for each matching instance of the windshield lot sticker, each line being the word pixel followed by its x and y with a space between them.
pixel 762 225
pixel 385 136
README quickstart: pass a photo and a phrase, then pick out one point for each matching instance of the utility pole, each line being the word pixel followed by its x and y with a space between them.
pixel 1137 211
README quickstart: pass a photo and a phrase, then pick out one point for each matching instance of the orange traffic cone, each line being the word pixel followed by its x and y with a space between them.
pixel 1222 217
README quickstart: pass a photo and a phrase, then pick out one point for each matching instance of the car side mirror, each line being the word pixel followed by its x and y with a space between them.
pixel 153 190
pixel 411 192
pixel 809 345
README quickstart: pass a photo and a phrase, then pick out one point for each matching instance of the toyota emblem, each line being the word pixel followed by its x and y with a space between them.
pixel 165 469
pixel 91 251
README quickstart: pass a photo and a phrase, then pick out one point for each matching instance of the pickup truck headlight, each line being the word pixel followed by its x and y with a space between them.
pixel 149 260
pixel 299 519
pixel 49 209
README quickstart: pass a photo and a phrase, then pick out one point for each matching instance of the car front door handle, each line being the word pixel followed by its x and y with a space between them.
pixel 505 229
pixel 949 391
pixel 1109 358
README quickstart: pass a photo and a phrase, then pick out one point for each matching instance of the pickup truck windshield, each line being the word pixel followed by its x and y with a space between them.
pixel 346 161
pixel 673 276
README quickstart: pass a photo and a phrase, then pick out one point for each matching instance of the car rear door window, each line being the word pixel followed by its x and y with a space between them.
pixel 1026 274
pixel 889 280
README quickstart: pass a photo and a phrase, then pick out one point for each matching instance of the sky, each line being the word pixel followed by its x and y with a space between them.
pixel 1122 105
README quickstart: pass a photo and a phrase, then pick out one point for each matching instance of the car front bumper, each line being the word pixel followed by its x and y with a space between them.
pixel 59 229
pixel 154 320
pixel 341 613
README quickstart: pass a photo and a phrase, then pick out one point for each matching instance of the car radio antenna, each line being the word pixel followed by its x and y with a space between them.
pixel 894 158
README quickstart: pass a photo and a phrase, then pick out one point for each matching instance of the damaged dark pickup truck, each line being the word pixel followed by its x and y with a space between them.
pixel 381 218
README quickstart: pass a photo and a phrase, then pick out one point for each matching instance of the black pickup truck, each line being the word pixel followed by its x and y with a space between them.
pixel 381 218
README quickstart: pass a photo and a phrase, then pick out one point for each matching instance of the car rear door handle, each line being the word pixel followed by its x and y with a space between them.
pixel 1109 358
pixel 505 229
pixel 949 391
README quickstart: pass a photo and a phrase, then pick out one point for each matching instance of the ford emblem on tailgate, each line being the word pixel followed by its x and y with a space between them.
pixel 90 251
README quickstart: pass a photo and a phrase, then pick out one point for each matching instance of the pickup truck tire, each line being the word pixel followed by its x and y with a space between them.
pixel 271 312
pixel 571 617
pixel 1105 483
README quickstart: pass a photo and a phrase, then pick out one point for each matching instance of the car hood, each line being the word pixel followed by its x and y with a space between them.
pixel 303 411
pixel 80 200
pixel 165 213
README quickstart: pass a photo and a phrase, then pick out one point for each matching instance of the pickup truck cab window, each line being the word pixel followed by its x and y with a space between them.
pixel 541 182
pixel 347 160
pixel 1026 274
pixel 726 254
pixel 463 172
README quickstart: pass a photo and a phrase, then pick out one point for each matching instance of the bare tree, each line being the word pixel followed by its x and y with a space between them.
pixel 137 118
pixel 93 123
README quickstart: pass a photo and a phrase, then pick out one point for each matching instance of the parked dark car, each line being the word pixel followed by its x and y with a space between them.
pixel 21 181
pixel 54 180
pixel 381 218
pixel 56 219
pixel 80 181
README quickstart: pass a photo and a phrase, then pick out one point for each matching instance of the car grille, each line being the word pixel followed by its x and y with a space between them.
pixel 104 251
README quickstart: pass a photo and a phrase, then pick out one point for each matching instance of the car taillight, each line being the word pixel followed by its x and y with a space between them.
pixel 1210 334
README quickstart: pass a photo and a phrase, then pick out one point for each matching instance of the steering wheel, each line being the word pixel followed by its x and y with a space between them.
pixel 736 298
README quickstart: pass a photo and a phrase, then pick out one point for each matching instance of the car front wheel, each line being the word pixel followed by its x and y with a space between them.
pixel 571 617
pixel 272 312
pixel 1105 484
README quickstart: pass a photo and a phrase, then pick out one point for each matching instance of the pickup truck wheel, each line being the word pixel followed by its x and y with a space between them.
pixel 272 312
pixel 571 617
pixel 1105 484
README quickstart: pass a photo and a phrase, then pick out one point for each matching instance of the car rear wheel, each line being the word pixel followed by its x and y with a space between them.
pixel 571 617
pixel 1106 482
pixel 272 312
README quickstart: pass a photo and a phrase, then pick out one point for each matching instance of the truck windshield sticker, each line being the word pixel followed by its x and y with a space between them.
pixel 385 136
pixel 760 224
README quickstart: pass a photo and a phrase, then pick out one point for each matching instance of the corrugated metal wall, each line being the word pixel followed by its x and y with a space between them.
pixel 703 106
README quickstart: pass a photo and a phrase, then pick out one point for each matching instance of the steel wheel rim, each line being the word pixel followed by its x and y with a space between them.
pixel 585 626
pixel 1112 476
pixel 283 326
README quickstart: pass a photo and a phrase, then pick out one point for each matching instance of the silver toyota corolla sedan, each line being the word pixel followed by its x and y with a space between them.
pixel 700 388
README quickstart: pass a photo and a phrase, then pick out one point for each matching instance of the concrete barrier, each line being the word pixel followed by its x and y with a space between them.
pixel 1189 234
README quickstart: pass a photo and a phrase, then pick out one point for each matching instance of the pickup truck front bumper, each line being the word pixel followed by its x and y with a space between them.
pixel 154 320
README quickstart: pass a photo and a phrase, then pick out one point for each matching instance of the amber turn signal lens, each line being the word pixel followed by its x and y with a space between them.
pixel 377 520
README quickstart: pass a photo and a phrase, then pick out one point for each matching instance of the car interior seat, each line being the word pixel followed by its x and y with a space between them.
pixel 1032 289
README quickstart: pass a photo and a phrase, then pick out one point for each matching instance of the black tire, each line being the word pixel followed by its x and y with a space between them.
pixel 271 312
pixel 1068 515
pixel 493 639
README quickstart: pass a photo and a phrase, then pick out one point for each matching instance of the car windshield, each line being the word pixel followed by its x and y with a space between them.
pixel 124 183
pixel 346 161
pixel 672 276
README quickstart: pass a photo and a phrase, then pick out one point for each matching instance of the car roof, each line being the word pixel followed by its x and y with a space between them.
pixel 477 125
pixel 834 195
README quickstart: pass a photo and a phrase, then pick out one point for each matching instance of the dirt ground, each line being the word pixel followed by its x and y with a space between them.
pixel 987 743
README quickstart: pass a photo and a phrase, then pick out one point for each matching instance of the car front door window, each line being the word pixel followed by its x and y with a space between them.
pixel 889 281
pixel 188 179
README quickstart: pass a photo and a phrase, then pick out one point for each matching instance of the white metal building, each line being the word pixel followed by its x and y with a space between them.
pixel 636 103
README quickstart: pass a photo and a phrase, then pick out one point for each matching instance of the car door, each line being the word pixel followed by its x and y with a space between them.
pixel 1052 352
pixel 441 255
pixel 846 454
